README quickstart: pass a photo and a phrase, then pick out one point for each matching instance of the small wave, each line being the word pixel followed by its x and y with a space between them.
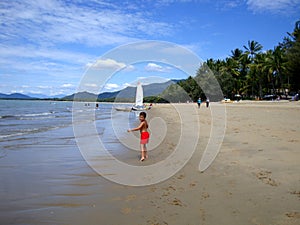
pixel 37 114
pixel 29 115
pixel 10 135
pixel 37 118
pixel 31 131
pixel 20 133
pixel 7 117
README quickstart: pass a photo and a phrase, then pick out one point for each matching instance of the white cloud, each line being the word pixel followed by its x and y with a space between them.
pixel 35 92
pixel 274 6
pixel 127 85
pixel 129 68
pixel 110 86
pixel 43 87
pixel 42 61
pixel 153 67
pixel 91 85
pixel 92 24
pixel 67 85
pixel 101 64
pixel 53 40
pixel 17 91
pixel 146 81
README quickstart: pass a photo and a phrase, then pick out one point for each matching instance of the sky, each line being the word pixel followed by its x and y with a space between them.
pixel 47 46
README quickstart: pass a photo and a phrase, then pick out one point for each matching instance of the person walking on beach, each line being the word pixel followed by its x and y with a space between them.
pixel 199 102
pixel 207 102
pixel 144 134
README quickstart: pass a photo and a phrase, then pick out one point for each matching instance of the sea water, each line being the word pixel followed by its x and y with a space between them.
pixel 40 162
pixel 29 122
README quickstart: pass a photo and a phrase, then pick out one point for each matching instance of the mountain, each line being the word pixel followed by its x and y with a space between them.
pixel 129 92
pixel 37 95
pixel 81 96
pixel 14 96
pixel 3 95
pixel 106 95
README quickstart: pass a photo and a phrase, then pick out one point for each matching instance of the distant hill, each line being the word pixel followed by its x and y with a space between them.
pixel 106 95
pixel 129 92
pixel 81 96
pixel 15 96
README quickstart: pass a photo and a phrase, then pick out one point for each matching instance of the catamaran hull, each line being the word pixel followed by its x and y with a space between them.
pixel 123 109
pixel 138 109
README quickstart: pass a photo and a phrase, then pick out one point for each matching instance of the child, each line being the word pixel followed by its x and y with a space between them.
pixel 144 134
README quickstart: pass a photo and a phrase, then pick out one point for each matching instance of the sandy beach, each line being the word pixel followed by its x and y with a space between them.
pixel 253 180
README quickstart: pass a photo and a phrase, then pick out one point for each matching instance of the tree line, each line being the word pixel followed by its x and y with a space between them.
pixel 249 72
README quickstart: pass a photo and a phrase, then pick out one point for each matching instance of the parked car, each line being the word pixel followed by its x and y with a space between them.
pixel 295 97
pixel 270 97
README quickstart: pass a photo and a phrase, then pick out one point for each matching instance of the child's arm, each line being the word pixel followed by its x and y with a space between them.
pixel 137 128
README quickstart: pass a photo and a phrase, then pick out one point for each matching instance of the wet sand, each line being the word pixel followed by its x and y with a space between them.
pixel 254 179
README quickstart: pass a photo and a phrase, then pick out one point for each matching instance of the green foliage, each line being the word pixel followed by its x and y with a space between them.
pixel 250 73
pixel 154 99
pixel 292 46
pixel 175 93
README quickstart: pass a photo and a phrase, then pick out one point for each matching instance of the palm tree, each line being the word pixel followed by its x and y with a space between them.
pixel 275 66
pixel 293 57
pixel 269 68
pixel 253 49
pixel 236 53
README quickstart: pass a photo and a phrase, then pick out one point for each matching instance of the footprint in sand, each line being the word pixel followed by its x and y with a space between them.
pixel 177 202
pixel 295 193
pixel 265 177
pixel 236 130
pixel 130 198
pixel 168 190
pixel 193 184
pixel 205 195
pixel 154 222
pixel 180 177
pixel 126 211
pixel 153 189
pixel 293 215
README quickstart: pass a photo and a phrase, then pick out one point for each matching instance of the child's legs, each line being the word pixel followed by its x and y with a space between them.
pixel 144 150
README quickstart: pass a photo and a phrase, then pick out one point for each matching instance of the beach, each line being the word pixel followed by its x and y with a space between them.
pixel 254 179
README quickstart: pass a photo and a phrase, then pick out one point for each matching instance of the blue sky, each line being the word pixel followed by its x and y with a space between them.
pixel 47 45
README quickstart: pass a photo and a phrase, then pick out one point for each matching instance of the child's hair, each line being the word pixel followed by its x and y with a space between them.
pixel 143 114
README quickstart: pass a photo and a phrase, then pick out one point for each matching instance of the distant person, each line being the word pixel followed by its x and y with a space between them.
pixel 97 105
pixel 144 134
pixel 207 102
pixel 199 102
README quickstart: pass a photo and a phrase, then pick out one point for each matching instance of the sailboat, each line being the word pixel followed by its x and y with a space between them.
pixel 139 105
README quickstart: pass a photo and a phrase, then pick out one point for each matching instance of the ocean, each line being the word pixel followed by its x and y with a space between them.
pixel 40 162
pixel 24 121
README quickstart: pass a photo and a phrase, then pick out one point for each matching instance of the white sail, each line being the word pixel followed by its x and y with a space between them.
pixel 139 95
